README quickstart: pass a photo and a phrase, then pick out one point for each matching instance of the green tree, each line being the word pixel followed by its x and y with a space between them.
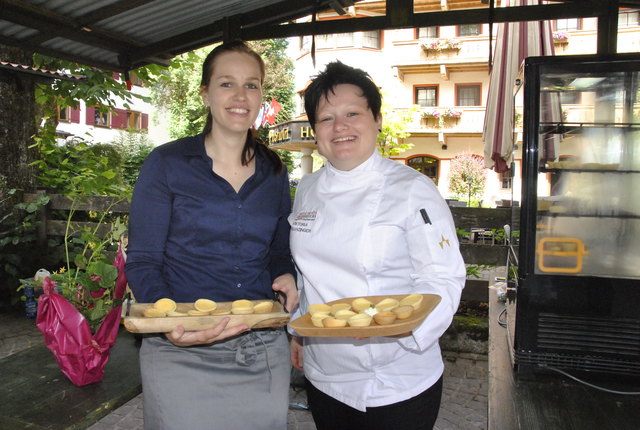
pixel 134 147
pixel 176 92
pixel 467 177
pixel 394 129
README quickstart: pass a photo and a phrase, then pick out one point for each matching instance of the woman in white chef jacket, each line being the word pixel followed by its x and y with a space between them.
pixel 363 226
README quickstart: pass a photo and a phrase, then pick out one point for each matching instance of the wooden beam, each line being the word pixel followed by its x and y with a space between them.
pixel 608 28
pixel 588 8
pixel 400 13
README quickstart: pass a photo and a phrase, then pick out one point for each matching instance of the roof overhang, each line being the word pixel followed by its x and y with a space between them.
pixel 443 67
pixel 122 35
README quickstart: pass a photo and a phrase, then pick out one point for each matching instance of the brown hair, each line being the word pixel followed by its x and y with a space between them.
pixel 252 144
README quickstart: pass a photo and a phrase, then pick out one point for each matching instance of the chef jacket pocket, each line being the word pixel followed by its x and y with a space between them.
pixel 383 246
pixel 431 246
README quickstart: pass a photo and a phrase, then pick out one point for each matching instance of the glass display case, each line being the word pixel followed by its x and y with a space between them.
pixel 578 295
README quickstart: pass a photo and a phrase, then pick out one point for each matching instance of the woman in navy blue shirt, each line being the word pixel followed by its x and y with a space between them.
pixel 209 220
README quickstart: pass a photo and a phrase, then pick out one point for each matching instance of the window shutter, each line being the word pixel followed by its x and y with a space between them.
pixel 75 115
pixel 90 115
pixel 144 121
pixel 119 119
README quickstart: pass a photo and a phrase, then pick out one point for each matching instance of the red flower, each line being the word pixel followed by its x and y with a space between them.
pixel 98 294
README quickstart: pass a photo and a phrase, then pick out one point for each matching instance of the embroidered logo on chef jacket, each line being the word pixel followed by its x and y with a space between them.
pixel 443 241
pixel 303 221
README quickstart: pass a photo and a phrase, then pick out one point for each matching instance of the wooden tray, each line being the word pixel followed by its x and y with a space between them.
pixel 303 325
pixel 136 322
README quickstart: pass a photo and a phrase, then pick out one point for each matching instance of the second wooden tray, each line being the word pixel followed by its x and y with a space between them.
pixel 304 327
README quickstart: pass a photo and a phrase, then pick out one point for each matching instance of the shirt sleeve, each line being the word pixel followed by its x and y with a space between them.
pixel 149 219
pixel 280 260
pixel 438 267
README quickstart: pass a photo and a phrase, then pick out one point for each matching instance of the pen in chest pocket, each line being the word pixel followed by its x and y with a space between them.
pixel 425 216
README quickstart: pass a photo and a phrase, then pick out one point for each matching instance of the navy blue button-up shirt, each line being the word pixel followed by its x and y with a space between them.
pixel 192 236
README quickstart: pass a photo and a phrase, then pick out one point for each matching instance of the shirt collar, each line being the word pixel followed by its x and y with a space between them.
pixel 195 148
pixel 368 165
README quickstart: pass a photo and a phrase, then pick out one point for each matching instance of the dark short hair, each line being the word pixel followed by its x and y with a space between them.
pixel 336 73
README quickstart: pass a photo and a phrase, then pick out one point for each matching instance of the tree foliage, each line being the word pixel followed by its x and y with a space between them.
pixel 467 176
pixel 394 126
pixel 134 147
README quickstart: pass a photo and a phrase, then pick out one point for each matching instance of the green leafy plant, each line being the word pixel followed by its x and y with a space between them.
pixel 475 270
pixel 390 140
pixel 134 147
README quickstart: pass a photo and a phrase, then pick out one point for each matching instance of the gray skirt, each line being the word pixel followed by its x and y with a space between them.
pixel 240 383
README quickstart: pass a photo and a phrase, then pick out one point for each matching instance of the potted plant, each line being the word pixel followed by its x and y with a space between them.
pixel 437 118
pixel 80 308
pixel 439 45
pixel 560 37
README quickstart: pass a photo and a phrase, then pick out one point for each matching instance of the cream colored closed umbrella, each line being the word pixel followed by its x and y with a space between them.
pixel 514 42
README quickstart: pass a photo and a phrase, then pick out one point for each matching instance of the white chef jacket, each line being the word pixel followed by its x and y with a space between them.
pixel 360 233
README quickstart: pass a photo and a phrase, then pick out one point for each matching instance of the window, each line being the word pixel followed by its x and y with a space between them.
pixel 427 32
pixel 344 40
pixel 301 102
pixel 506 180
pixel 568 24
pixel 64 114
pixel 628 18
pixel 570 98
pixel 324 41
pixel 426 96
pixel 468 95
pixel 100 119
pixel 371 39
pixel 134 120
pixel 305 43
pixel 428 166
pixel 469 30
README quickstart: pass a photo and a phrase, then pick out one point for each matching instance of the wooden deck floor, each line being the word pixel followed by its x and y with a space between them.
pixel 547 400
pixel 36 395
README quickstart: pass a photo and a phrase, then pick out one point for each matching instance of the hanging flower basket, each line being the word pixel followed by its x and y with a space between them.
pixel 560 37
pixel 438 118
pixel 80 354
pixel 440 45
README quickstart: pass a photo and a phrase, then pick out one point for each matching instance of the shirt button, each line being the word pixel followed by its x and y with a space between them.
pixel 239 285
pixel 236 268
pixel 239 206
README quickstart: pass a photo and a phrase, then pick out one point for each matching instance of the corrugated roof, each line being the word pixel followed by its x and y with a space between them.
pixel 122 35
pixel 125 34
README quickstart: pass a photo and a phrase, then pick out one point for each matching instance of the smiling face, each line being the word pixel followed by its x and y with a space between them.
pixel 345 128
pixel 234 92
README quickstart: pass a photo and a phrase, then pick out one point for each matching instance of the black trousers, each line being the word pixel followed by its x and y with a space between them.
pixel 417 413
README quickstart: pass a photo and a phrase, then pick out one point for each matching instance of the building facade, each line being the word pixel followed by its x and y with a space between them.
pixel 444 71
pixel 90 124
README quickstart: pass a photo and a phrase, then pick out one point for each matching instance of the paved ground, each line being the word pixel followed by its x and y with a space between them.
pixel 464 401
